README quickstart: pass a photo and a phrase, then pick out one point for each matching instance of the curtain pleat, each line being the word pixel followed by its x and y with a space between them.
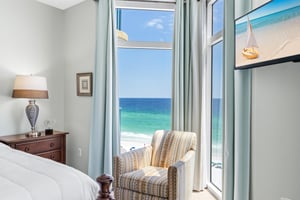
pixel 104 136
pixel 237 138
pixel 187 78
pixel 243 80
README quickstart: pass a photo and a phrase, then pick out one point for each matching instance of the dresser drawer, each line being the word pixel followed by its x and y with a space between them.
pixel 48 146
pixel 40 146
pixel 53 155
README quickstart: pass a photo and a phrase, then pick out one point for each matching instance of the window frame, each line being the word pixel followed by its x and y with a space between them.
pixel 159 5
pixel 211 41
pixel 151 5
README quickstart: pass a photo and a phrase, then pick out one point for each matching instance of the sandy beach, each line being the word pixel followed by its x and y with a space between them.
pixel 128 145
pixel 130 141
pixel 274 41
pixel 216 171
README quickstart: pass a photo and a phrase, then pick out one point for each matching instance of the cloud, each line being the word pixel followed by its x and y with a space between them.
pixel 156 23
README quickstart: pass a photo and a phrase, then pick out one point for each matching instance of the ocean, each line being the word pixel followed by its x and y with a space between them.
pixel 269 19
pixel 141 117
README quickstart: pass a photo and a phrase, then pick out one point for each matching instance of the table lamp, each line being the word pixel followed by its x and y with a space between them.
pixel 31 87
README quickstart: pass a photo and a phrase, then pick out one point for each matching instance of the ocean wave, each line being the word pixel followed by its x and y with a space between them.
pixel 217 147
pixel 273 18
pixel 129 136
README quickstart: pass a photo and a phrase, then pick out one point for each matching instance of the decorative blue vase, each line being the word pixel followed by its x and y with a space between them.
pixel 32 112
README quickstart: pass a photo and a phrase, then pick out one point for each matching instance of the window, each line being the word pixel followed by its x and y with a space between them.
pixel 216 115
pixel 217 20
pixel 147 25
pixel 215 60
pixel 145 71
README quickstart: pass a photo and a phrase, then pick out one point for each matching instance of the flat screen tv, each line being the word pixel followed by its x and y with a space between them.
pixel 268 35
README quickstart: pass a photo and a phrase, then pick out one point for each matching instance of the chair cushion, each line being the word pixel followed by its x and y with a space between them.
pixel 130 195
pixel 171 146
pixel 148 180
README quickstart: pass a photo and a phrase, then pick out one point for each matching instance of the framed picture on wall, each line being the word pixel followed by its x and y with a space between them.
pixel 84 84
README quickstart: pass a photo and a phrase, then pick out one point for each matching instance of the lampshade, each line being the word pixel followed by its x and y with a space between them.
pixel 31 87
pixel 122 35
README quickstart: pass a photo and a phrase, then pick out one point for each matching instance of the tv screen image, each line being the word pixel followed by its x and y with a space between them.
pixel 268 35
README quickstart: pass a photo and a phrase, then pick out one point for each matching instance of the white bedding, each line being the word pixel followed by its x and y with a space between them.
pixel 27 177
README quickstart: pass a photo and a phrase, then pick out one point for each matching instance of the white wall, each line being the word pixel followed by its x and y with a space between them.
pixel 80 43
pixel 275 162
pixel 30 43
pixel 257 3
pixel 41 40
pixel 243 6
pixel 276 132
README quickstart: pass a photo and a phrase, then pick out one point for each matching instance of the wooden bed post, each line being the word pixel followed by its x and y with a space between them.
pixel 105 192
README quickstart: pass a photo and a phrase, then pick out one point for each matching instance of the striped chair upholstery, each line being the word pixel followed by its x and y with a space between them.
pixel 163 170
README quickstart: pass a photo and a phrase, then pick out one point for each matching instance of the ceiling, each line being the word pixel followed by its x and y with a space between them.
pixel 65 4
pixel 61 4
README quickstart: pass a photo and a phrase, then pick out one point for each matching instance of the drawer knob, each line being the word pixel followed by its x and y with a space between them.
pixel 26 149
pixel 52 156
pixel 52 144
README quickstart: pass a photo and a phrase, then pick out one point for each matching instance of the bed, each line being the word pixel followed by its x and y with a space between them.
pixel 28 177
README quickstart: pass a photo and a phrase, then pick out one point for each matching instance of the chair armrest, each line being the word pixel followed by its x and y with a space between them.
pixel 180 177
pixel 131 161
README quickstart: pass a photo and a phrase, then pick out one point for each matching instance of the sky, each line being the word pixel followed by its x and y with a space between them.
pixel 217 50
pixel 148 25
pixel 218 12
pixel 145 73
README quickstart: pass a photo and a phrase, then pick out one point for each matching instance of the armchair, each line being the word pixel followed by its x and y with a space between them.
pixel 161 171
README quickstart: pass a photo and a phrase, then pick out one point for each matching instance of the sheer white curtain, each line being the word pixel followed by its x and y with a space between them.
pixel 187 92
pixel 105 139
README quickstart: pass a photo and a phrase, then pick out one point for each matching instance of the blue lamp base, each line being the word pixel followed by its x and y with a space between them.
pixel 32 113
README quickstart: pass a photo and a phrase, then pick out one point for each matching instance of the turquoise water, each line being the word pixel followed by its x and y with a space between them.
pixel 145 115
pixel 217 123
pixel 269 19
pixel 141 117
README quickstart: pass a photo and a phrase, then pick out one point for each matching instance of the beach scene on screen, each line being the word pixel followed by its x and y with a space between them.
pixel 270 32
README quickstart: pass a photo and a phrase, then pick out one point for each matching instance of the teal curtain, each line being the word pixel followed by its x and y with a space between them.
pixel 237 96
pixel 187 77
pixel 105 139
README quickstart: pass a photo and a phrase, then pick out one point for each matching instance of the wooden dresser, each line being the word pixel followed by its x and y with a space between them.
pixel 48 146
